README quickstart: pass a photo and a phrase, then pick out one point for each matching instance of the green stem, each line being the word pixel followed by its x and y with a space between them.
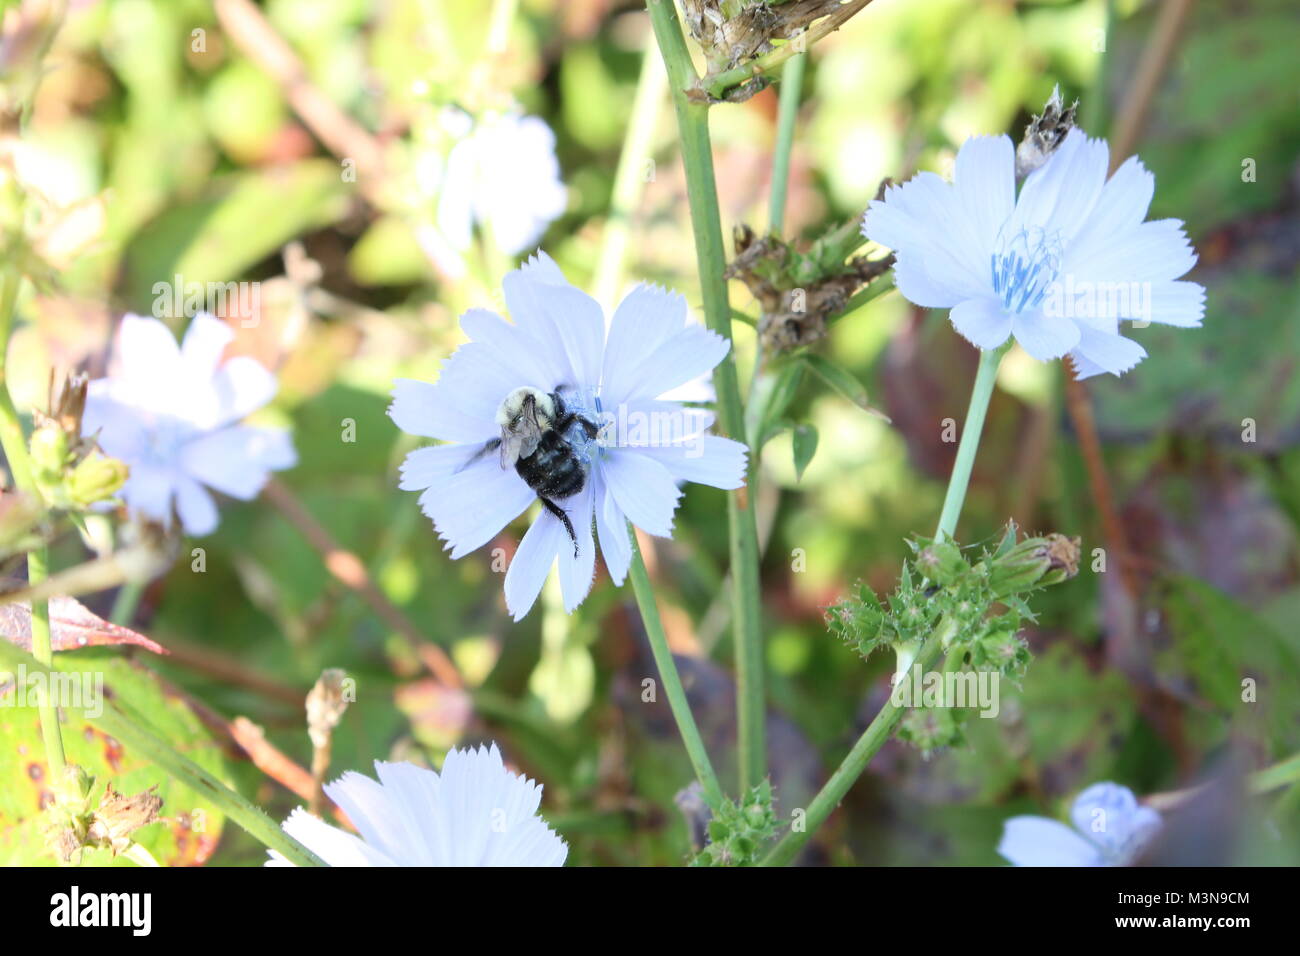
pixel 51 733
pixel 645 600
pixel 126 602
pixel 829 797
pixel 787 113
pixel 985 379
pixel 14 443
pixel 706 221
pixel 630 178
pixel 883 725
pixel 157 751
pixel 11 430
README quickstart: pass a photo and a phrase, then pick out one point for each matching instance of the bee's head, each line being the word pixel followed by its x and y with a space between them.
pixel 517 402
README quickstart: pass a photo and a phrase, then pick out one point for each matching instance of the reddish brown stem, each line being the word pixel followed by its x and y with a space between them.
pixel 1129 122
pixel 229 670
pixel 273 762
pixel 250 31
pixel 348 568
pixel 1079 406
pixel 1153 63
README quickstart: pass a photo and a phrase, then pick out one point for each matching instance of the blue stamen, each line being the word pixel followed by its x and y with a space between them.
pixel 1024 267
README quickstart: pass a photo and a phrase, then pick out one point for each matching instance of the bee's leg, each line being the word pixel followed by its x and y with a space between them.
pixel 559 512
pixel 489 445
pixel 563 423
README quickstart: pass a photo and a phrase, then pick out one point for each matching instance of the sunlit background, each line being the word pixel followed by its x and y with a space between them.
pixel 163 143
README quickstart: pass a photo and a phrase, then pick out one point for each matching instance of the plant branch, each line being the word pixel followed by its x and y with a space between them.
pixel 787 114
pixel 1152 64
pixel 349 569
pixel 717 84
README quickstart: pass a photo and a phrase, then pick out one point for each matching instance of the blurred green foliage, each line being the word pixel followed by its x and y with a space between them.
pixel 205 168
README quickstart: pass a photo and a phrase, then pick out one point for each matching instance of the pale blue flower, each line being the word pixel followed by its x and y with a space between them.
pixel 474 813
pixel 1110 829
pixel 619 378
pixel 172 414
pixel 1056 267
pixel 502 175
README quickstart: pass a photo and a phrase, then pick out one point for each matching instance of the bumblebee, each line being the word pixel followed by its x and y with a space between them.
pixel 535 429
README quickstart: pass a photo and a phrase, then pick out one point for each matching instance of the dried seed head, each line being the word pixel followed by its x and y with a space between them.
pixel 325 706
pixel 118 817
pixel 1044 134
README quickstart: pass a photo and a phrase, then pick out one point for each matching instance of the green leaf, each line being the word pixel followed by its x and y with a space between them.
pixel 805 446
pixel 191 824
pixel 240 220
pixel 1209 655
pixel 840 379
pixel 779 395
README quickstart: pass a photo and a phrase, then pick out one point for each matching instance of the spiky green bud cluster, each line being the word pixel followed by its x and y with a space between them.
pixel 974 605
pixel 980 601
pixel 738 833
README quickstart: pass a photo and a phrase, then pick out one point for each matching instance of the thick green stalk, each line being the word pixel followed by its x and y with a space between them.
pixel 701 191
pixel 787 112
pixel 155 750
pixel 872 739
pixel 985 379
pixel 14 443
pixel 645 600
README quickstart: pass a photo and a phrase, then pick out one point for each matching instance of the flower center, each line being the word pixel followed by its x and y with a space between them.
pixel 164 440
pixel 1024 266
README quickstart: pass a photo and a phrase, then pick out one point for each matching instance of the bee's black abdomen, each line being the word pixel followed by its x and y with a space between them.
pixel 553 470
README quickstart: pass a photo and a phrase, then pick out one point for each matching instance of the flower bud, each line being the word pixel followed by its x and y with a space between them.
pixel 942 563
pixel 49 451
pixel 1001 650
pixel 96 478
pixel 69 816
pixel 72 790
pixel 1033 563
pixel 325 706
pixel 931 728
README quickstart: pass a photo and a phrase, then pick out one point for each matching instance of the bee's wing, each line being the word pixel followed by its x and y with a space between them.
pixel 521 438
pixel 511 448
